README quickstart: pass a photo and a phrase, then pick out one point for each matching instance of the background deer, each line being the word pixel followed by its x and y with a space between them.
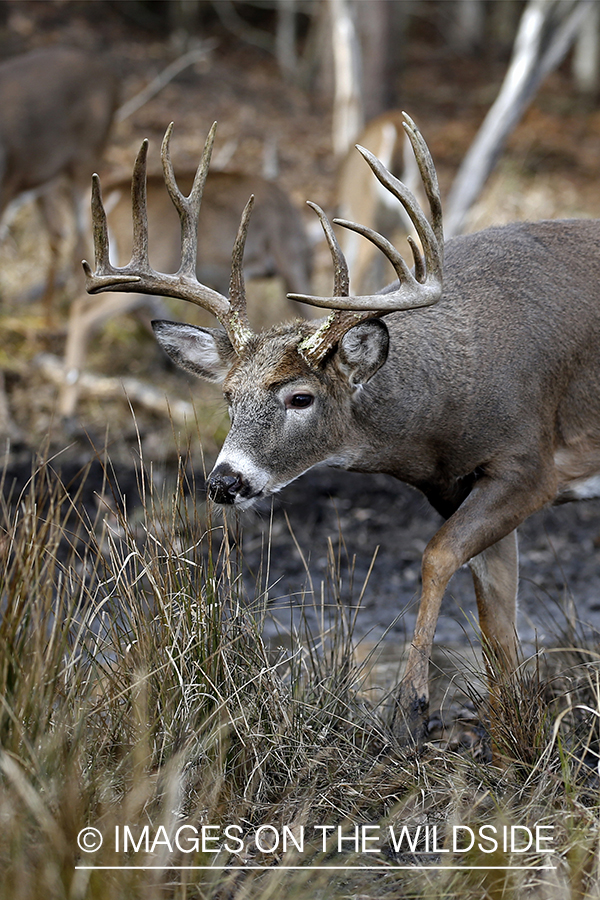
pixel 277 245
pixel 481 387
pixel 56 109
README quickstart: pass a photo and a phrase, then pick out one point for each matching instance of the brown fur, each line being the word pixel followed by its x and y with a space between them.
pixel 56 109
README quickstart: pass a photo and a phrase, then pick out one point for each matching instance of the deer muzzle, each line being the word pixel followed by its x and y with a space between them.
pixel 224 485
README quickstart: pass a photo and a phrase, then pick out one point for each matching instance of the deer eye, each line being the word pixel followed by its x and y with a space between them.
pixel 301 400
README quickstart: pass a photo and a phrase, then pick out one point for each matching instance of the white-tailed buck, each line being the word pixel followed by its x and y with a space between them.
pixel 56 108
pixel 481 387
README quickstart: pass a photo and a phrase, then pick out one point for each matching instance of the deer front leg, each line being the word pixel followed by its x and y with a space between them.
pixel 86 316
pixel 47 204
pixel 481 525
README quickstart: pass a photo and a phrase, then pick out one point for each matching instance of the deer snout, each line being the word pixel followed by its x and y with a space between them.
pixel 224 485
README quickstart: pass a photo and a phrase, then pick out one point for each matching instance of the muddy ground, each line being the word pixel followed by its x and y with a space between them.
pixel 551 168
pixel 364 515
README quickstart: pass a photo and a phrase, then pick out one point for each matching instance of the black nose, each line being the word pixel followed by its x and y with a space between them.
pixel 223 487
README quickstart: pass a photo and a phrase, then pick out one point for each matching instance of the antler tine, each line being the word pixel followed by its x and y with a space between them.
pixel 101 245
pixel 315 347
pixel 341 278
pixel 238 315
pixel 430 180
pixel 125 278
pixel 104 276
pixel 415 213
pixel 424 288
pixel 188 208
pixel 139 211
pixel 382 243
pixel 431 236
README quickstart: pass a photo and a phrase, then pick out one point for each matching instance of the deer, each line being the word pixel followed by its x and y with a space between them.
pixel 473 377
pixel 56 108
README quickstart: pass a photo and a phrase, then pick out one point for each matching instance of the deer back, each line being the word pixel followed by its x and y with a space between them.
pixel 56 107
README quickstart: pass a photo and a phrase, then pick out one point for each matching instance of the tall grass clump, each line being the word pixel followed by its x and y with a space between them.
pixel 139 699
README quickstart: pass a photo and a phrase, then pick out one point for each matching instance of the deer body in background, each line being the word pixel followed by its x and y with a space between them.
pixel 278 245
pixel 56 108
pixel 480 387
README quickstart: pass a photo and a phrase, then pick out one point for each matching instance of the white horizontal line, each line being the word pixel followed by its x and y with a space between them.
pixel 382 868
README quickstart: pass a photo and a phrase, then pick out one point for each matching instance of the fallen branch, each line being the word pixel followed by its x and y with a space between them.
pixel 108 388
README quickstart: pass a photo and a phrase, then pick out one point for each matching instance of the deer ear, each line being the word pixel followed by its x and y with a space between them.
pixel 206 352
pixel 363 350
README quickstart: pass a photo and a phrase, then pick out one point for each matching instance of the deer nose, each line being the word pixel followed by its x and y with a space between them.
pixel 223 487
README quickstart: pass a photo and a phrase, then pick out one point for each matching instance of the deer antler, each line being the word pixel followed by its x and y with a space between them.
pixel 139 277
pixel 423 288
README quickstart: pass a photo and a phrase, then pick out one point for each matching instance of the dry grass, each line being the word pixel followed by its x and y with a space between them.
pixel 137 691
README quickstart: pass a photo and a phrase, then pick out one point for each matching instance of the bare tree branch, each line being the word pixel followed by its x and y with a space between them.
pixel 546 31
pixel 348 114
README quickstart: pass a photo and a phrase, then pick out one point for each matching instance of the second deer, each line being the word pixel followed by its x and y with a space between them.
pixel 56 109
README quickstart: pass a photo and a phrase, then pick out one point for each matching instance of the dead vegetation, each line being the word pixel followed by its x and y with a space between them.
pixel 138 691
